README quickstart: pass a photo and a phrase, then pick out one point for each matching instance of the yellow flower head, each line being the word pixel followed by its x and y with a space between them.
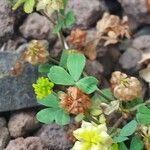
pixel 43 87
pixel 92 137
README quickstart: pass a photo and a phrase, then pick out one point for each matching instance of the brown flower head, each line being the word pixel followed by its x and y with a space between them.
pixel 125 88
pixel 36 53
pixel 110 28
pixel 74 101
pixel 77 37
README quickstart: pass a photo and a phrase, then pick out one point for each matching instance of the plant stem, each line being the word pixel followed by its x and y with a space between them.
pixel 53 60
pixel 101 93
pixel 90 118
pixel 119 121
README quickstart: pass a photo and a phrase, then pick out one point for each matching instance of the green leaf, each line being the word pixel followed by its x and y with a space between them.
pixel 122 146
pixel 79 117
pixel 69 19
pixel 18 4
pixel 50 115
pixel 29 5
pixel 143 115
pixel 58 26
pixel 114 147
pixel 87 84
pixel 62 118
pixel 59 75
pixel 65 3
pixel 44 68
pixel 107 92
pixel 128 129
pixel 143 118
pixel 63 59
pixel 50 101
pixel 133 103
pixel 75 64
pixel 136 143
pixel 119 139
pixel 144 110
pixel 46 115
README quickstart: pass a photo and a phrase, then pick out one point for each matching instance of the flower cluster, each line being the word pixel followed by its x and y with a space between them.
pixel 75 101
pixel 125 88
pixel 43 87
pixel 92 137
pixel 36 53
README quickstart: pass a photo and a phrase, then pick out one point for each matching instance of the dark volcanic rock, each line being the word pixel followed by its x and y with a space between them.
pixel 30 143
pixel 16 92
pixel 4 137
pixel 87 12
pixel 22 123
pixel 54 137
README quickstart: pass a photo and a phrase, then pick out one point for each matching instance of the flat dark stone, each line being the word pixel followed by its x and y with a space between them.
pixel 16 92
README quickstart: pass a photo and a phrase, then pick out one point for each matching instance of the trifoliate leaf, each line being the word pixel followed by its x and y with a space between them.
pixel 87 84
pixel 76 64
pixel 59 75
pixel 50 101
pixel 50 115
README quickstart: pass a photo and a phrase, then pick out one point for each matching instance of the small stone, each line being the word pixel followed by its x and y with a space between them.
pixel 94 68
pixel 86 13
pixel 129 60
pixel 2 122
pixel 22 123
pixel 37 26
pixel 4 137
pixel 54 137
pixel 6 20
pixel 137 11
pixel 30 143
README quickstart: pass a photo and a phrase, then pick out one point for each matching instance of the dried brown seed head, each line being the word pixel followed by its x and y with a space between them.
pixel 74 101
pixel 77 37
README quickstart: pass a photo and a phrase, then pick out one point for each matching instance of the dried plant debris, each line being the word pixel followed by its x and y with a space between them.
pixel 111 29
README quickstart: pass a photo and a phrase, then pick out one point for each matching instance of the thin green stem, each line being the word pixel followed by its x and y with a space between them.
pixel 53 60
pixel 90 118
pixel 101 93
